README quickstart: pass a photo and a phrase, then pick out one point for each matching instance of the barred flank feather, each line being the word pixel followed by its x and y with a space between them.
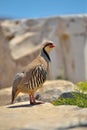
pixel 38 76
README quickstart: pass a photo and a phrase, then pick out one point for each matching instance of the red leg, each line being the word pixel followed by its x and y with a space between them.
pixel 32 100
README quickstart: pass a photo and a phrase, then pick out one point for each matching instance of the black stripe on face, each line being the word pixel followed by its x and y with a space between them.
pixel 48 44
pixel 46 54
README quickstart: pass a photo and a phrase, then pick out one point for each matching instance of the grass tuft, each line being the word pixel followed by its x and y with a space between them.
pixel 77 98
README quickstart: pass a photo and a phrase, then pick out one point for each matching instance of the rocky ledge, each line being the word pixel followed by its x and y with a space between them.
pixel 50 91
pixel 22 116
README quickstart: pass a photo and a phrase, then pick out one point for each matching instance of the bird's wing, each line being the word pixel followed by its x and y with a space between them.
pixel 18 79
pixel 34 72
pixel 16 82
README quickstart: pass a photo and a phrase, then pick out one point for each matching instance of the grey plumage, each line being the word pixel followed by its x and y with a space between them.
pixel 16 82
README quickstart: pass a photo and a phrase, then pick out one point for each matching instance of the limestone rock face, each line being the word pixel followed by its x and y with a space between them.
pixel 50 91
pixel 23 38
pixel 22 116
pixel 7 66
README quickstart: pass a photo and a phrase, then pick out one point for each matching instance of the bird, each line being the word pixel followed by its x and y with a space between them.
pixel 33 76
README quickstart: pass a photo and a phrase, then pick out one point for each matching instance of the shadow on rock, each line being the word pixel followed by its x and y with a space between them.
pixel 23 105
pixel 68 94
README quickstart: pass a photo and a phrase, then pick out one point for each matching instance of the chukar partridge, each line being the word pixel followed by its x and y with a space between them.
pixel 34 75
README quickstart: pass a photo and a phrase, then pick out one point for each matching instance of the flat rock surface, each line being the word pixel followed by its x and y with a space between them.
pixel 50 91
pixel 53 89
pixel 22 116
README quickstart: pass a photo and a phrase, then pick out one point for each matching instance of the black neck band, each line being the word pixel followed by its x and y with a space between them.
pixel 46 54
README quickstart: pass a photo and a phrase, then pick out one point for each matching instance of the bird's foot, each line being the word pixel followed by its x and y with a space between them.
pixel 36 103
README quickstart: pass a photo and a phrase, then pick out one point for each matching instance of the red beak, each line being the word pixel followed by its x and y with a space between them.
pixel 52 46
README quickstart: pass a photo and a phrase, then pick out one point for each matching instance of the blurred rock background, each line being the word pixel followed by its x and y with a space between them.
pixel 24 25
pixel 20 42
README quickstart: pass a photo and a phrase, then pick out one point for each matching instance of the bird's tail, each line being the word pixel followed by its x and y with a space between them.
pixel 15 88
pixel 13 96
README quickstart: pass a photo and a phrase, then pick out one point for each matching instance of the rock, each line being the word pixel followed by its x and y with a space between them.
pixel 23 36
pixel 7 65
pixel 22 116
pixel 50 91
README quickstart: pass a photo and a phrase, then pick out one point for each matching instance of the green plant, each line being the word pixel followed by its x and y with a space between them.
pixel 78 98
pixel 82 86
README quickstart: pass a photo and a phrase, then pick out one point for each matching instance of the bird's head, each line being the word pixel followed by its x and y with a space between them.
pixel 48 46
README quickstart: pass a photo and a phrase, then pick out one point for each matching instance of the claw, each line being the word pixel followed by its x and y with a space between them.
pixel 32 100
